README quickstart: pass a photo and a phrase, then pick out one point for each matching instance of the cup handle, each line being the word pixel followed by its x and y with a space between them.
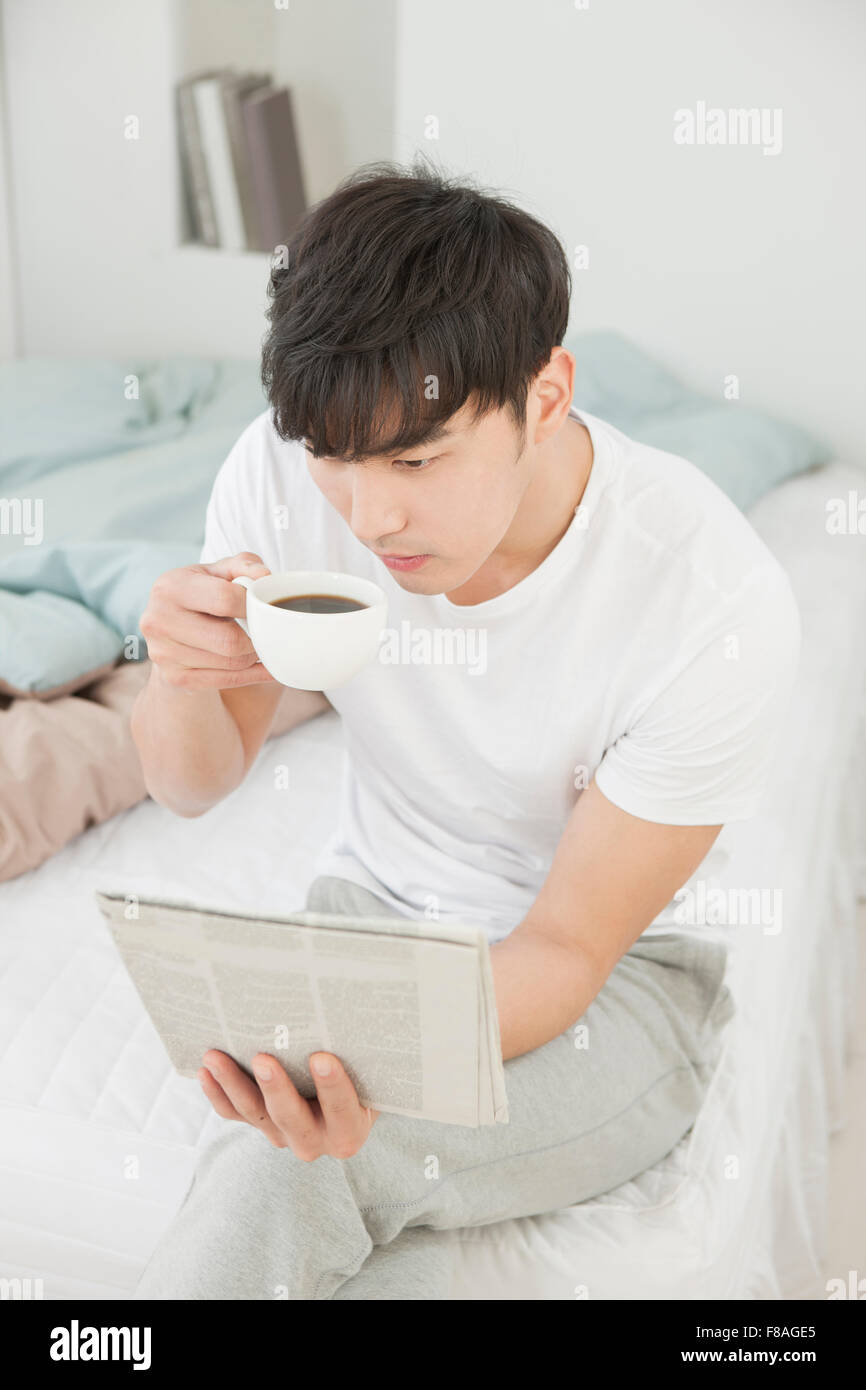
pixel 247 583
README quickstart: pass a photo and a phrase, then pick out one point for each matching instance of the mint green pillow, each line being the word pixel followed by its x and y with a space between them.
pixel 744 451
pixel 72 648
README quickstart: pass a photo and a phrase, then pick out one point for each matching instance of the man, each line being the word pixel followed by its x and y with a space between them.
pixel 639 644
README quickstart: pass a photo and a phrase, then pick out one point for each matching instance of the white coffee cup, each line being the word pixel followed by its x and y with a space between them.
pixel 313 651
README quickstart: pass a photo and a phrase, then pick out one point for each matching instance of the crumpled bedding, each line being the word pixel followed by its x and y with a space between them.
pixel 81 741
pixel 101 495
pixel 70 763
pixel 120 462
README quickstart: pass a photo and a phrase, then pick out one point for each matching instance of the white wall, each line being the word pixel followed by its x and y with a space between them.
pixel 717 259
pixel 8 285
pixel 96 216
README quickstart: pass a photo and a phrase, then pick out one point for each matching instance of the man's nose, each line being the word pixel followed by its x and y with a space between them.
pixel 375 509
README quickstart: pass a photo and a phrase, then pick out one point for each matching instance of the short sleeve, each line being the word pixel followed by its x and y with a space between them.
pixel 221 518
pixel 701 751
pixel 231 518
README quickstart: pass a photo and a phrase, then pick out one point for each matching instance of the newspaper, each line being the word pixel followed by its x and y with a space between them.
pixel 407 1006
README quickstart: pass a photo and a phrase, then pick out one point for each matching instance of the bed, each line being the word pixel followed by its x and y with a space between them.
pixel 99 1138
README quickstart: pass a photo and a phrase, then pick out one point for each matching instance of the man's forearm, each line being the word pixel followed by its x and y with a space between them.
pixel 541 987
pixel 190 747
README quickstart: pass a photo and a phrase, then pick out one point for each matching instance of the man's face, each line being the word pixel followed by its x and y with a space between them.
pixel 452 500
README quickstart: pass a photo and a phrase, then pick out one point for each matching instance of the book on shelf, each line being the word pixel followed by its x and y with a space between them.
pixel 240 158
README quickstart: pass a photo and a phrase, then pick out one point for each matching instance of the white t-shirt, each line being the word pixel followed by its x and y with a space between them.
pixel 655 648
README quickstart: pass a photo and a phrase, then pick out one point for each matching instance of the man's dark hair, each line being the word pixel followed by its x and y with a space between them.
pixel 398 276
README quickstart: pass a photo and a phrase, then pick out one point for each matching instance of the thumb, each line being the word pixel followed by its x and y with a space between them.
pixel 234 565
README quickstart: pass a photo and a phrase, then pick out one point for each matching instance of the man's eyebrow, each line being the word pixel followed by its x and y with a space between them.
pixel 440 432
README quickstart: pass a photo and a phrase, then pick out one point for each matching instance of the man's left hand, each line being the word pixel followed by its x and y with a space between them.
pixel 335 1123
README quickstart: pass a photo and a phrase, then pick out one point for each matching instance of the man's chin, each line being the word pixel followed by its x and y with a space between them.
pixel 417 581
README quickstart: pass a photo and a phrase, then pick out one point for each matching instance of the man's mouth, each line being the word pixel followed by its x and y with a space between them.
pixel 403 562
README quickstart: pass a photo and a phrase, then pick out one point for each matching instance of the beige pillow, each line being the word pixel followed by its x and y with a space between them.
pixel 69 763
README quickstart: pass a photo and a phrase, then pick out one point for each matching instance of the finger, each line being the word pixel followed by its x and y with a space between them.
pixel 347 1122
pixel 216 1095
pixel 171 649
pixel 245 562
pixel 290 1112
pixel 200 678
pixel 243 1095
pixel 229 598
pixel 201 631
pixel 203 592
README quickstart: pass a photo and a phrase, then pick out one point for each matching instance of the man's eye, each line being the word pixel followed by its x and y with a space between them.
pixel 417 464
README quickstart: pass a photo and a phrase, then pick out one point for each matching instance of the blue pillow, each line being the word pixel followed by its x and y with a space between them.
pixel 73 646
pixel 744 451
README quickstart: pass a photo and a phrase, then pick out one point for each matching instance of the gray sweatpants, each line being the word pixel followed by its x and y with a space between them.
pixel 259 1223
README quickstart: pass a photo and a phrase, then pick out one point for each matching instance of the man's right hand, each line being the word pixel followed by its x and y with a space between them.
pixel 189 626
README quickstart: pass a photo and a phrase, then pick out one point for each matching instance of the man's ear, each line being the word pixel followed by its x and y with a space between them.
pixel 553 392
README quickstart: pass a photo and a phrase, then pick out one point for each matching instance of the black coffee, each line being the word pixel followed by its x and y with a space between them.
pixel 318 603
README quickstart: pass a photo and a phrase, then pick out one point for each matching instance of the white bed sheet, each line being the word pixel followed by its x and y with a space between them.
pixel 99 1138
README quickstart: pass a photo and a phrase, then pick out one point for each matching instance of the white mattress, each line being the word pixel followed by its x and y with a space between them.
pixel 99 1138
